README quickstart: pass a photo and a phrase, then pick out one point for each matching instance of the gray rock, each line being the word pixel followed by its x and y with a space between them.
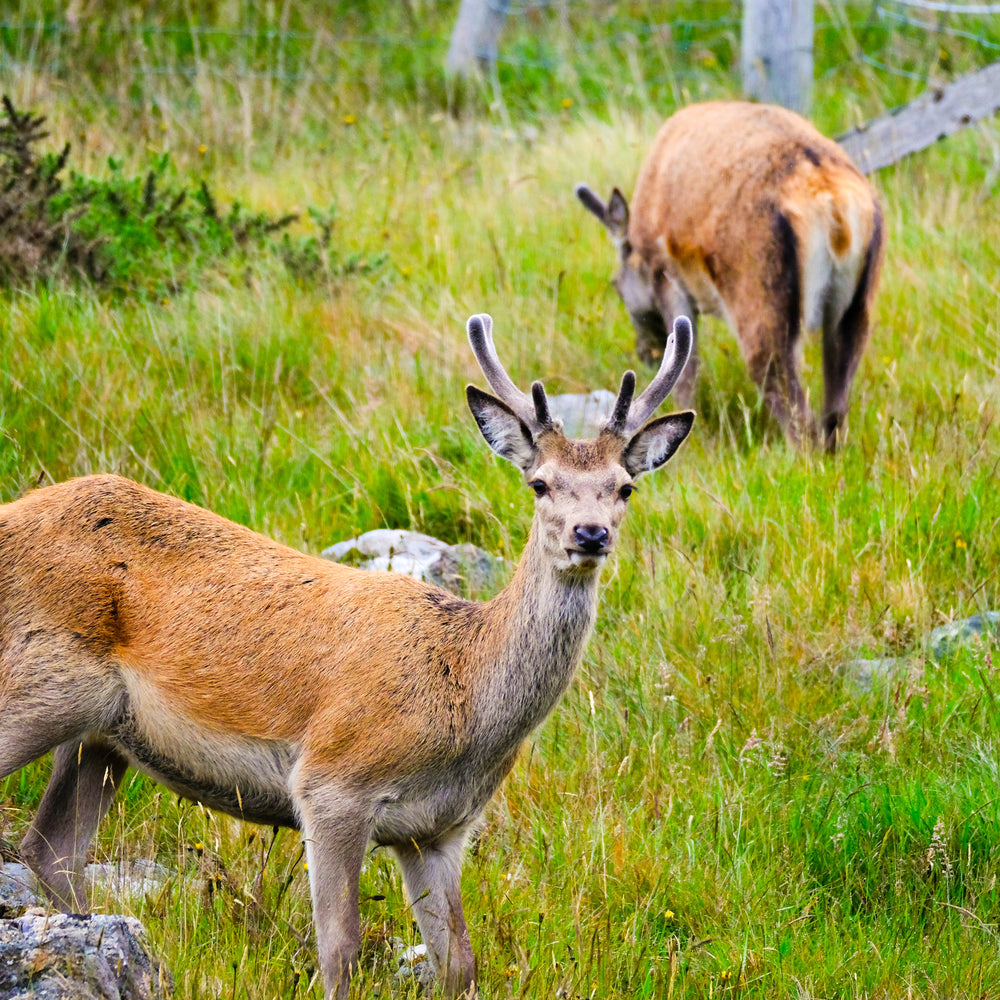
pixel 415 967
pixel 462 569
pixel 72 956
pixel 411 955
pixel 136 879
pixel 583 415
pixel 943 641
pixel 946 639
pixel 18 890
pixel 864 674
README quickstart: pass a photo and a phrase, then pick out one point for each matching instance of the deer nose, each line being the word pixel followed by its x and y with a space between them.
pixel 591 537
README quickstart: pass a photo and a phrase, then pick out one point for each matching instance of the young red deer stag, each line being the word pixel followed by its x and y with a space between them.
pixel 139 630
pixel 745 211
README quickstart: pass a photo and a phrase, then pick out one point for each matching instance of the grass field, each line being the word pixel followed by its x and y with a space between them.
pixel 715 808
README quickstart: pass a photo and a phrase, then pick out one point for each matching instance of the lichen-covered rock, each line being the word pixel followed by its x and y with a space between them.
pixel 415 967
pixel 462 569
pixel 135 879
pixel 72 956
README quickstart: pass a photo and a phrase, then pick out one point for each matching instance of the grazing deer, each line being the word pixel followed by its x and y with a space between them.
pixel 139 630
pixel 745 211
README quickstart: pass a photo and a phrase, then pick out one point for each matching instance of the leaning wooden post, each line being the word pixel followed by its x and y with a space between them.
pixel 778 52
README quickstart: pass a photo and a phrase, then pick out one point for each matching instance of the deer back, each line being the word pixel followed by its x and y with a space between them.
pixel 719 181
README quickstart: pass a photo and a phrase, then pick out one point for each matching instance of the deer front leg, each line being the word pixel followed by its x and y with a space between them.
pixel 85 777
pixel 432 876
pixel 336 833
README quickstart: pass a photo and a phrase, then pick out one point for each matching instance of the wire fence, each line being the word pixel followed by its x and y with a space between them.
pixel 655 51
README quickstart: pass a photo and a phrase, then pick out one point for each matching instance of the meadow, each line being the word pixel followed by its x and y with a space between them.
pixel 717 808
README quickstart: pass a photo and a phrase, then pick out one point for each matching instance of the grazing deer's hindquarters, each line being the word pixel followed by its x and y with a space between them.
pixel 746 212
pixel 139 630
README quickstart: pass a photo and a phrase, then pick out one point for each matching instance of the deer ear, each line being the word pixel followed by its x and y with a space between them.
pixel 616 218
pixel 592 203
pixel 655 444
pixel 504 431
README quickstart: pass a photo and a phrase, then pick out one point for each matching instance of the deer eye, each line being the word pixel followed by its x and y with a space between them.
pixel 626 491
pixel 539 487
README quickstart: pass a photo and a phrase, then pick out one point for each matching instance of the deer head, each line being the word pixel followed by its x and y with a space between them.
pixel 581 487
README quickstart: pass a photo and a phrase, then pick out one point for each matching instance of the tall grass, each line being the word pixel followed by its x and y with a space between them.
pixel 716 807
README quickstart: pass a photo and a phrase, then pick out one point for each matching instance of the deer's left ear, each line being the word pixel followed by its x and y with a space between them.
pixel 655 444
pixel 504 431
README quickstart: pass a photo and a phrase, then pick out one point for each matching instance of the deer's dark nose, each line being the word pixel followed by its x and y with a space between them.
pixel 591 537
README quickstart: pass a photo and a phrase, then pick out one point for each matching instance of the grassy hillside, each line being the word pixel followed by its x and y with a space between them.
pixel 716 808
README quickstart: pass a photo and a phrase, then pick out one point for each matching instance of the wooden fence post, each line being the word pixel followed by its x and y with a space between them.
pixel 473 46
pixel 777 55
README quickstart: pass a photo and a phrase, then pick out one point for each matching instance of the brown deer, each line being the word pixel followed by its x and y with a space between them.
pixel 139 630
pixel 746 212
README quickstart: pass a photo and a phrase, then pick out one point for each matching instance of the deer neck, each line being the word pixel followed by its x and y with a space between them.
pixel 539 628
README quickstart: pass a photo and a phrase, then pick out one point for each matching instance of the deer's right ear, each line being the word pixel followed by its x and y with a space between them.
pixel 616 217
pixel 504 431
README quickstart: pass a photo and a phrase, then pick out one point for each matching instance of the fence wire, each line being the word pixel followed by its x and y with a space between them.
pixel 583 44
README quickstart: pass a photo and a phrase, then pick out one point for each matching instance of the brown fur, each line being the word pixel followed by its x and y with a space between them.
pixel 745 211
pixel 140 630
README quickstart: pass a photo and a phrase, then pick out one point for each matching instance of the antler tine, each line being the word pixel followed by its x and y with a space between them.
pixel 541 402
pixel 619 416
pixel 480 330
pixel 675 357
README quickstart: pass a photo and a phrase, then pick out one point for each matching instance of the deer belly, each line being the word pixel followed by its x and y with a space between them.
pixel 242 777
pixel 431 805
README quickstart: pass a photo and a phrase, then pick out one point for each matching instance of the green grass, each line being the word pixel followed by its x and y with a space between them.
pixel 714 809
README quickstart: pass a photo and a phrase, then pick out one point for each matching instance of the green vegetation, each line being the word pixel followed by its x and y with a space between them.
pixel 715 809
pixel 147 234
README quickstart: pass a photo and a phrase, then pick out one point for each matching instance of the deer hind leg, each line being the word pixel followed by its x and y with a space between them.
pixel 432 876
pixel 769 326
pixel 85 776
pixel 844 341
pixel 55 694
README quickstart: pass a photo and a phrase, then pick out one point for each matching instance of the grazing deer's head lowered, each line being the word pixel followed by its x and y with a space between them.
pixel 745 211
pixel 139 630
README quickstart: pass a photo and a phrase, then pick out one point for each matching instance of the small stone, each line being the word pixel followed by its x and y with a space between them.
pixel 18 890
pixel 412 955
